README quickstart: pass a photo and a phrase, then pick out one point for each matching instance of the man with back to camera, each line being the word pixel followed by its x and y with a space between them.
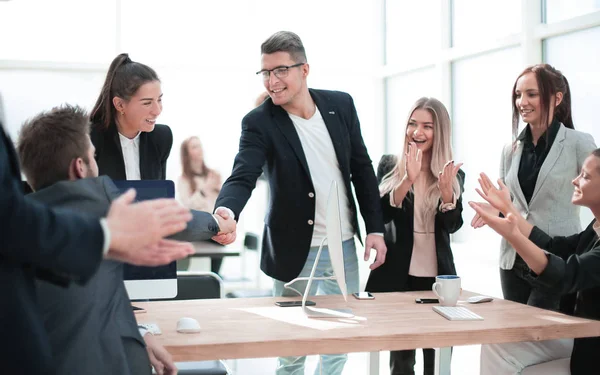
pixel 40 242
pixel 305 139
pixel 92 329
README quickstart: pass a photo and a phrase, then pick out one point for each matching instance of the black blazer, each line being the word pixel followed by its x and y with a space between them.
pixel 270 140
pixel 155 147
pixel 57 243
pixel 98 312
pixel 392 275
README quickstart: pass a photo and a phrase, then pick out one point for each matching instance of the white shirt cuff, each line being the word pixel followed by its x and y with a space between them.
pixel 393 202
pixel 106 232
pixel 228 211
pixel 143 331
pixel 376 233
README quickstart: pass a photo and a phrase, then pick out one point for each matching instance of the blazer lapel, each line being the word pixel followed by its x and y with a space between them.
pixel 115 144
pixel 555 151
pixel 512 179
pixel 331 117
pixel 286 126
pixel 145 174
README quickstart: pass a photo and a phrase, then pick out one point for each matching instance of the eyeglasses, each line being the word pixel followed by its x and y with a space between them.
pixel 280 71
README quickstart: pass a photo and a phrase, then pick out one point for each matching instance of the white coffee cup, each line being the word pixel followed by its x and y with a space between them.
pixel 447 288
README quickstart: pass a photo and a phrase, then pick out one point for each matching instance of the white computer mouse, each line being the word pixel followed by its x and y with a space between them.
pixel 479 299
pixel 188 325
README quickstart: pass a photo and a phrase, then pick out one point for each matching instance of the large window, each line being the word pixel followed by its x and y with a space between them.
pixel 558 10
pixel 58 30
pixel 583 77
pixel 482 117
pixel 412 31
pixel 402 92
pixel 478 22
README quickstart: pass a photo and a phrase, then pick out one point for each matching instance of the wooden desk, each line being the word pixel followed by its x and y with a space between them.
pixel 214 250
pixel 255 327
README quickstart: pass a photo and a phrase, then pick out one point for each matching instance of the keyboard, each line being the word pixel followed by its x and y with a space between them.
pixel 456 313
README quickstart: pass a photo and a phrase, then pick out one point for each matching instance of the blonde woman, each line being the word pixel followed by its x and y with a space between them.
pixel 421 202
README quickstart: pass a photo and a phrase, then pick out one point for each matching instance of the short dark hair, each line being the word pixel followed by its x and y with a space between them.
pixel 285 41
pixel 123 79
pixel 49 142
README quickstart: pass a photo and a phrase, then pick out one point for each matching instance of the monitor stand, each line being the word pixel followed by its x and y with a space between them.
pixel 319 312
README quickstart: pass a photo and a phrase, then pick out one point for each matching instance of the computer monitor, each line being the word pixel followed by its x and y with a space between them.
pixel 150 282
pixel 336 255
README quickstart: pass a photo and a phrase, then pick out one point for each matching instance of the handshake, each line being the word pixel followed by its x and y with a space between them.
pixel 227 227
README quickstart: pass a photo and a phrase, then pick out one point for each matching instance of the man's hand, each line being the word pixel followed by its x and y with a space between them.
pixel 226 225
pixel 376 242
pixel 224 238
pixel 137 230
pixel 159 357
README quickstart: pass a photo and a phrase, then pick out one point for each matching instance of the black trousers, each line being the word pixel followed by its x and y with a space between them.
pixel 402 362
pixel 517 287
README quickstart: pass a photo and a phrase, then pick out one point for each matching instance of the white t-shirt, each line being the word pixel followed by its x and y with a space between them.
pixel 324 168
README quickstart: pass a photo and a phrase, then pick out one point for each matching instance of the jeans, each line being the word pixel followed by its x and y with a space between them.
pixel 328 364
pixel 517 287
pixel 402 362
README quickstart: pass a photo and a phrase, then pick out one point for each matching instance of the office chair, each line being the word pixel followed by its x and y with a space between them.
pixel 199 285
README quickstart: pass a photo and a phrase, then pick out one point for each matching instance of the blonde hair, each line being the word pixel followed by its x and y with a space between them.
pixel 441 153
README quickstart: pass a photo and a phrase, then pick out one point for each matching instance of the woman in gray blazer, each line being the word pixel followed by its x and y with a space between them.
pixel 537 168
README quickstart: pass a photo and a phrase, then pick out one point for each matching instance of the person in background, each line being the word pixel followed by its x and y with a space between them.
pixel 536 167
pixel 198 186
pixel 561 265
pixel 422 205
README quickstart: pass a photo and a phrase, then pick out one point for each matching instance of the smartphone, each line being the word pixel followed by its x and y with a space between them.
pixel 293 303
pixel 427 300
pixel 363 295
pixel 137 310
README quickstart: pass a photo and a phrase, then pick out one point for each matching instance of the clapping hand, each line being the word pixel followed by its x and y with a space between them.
pixel 497 198
pixel 413 162
pixel 477 221
pixel 446 178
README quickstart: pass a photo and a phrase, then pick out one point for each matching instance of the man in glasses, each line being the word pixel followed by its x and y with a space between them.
pixel 304 139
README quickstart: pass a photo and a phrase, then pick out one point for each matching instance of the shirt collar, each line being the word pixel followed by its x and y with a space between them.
pixel 552 131
pixel 126 141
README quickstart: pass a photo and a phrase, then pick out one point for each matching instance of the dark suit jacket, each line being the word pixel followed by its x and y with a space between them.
pixel 392 275
pixel 35 237
pixel 86 323
pixel 155 148
pixel 269 139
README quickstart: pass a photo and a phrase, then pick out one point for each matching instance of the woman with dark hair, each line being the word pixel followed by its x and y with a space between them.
pixel 561 265
pixel 198 186
pixel 537 167
pixel 129 144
